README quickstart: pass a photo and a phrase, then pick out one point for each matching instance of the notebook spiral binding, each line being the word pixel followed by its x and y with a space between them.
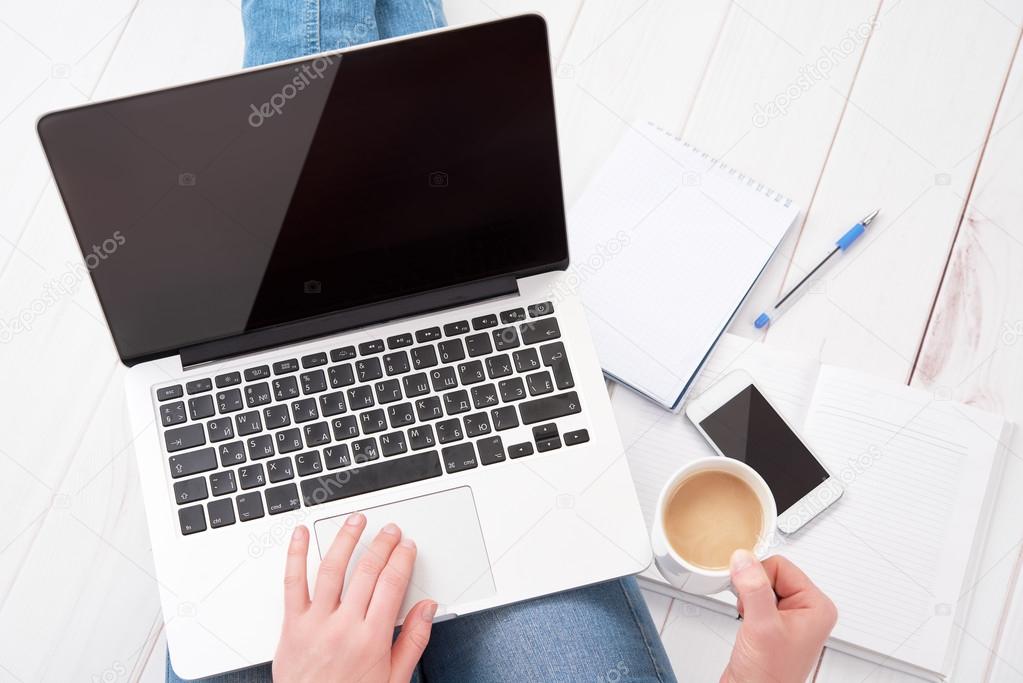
pixel 740 177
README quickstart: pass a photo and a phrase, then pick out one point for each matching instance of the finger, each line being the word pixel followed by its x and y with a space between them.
pixel 797 591
pixel 296 587
pixel 415 634
pixel 331 576
pixel 367 571
pixel 392 584
pixel 753 586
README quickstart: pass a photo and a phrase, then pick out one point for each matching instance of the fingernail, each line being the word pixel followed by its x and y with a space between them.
pixel 355 519
pixel 390 528
pixel 429 611
pixel 741 559
pixel 407 542
pixel 297 535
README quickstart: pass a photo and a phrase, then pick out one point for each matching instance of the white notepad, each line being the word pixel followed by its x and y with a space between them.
pixel 897 553
pixel 665 242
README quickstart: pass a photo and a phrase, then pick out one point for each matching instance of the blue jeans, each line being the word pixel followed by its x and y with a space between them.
pixel 601 633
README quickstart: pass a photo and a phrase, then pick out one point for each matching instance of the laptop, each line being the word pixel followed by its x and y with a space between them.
pixel 339 284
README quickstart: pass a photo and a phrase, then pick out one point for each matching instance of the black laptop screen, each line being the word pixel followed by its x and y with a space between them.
pixel 285 193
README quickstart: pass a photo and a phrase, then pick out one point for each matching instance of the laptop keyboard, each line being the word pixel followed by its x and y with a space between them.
pixel 352 420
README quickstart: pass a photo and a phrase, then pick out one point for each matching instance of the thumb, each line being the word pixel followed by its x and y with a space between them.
pixel 754 588
pixel 415 634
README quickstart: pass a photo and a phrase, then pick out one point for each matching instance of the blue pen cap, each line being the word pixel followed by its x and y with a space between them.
pixel 762 321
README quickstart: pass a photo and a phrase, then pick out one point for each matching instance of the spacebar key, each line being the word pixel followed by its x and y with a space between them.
pixel 549 408
pixel 359 480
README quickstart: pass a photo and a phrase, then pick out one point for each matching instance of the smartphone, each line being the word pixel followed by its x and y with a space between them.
pixel 740 423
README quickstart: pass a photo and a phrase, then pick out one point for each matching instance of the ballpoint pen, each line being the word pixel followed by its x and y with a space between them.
pixel 843 243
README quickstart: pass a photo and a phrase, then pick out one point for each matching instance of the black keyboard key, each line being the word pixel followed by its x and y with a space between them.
pixel 368 369
pixel 456 328
pixel 280 469
pixel 285 366
pixel 231 453
pixel 314 360
pixel 248 423
pixel 222 483
pixel 389 473
pixel 388 391
pixel 456 402
pixel 342 354
pixel 520 450
pixel 360 397
pixel 251 476
pixel 332 404
pixel 477 424
pixel 173 413
pixel 317 434
pixel 541 432
pixel 526 360
pixel 282 499
pixel 428 335
pixel 257 373
pixel 201 407
pixel 554 357
pixel 490 450
pixel 421 437
pixel 449 430
pixel 229 401
pixel 401 415
pixel 257 394
pixel 260 447
pixel 308 463
pixel 399 341
pixel 346 427
pixel 539 383
pixel 429 408
pixel 393 444
pixel 192 520
pixel 365 450
pixel 578 436
pixel 181 438
pixel 190 490
pixel 337 457
pixel 371 347
pixel 451 350
pixel 543 409
pixel 228 379
pixel 499 366
pixel 221 513
pixel 167 393
pixel 505 338
pixel 250 506
pixel 512 389
pixel 313 382
pixel 443 379
pixel 548 444
pixel 484 396
pixel 304 410
pixel 220 429
pixel 340 375
pixel 484 322
pixel 285 388
pixel 373 421
pixel 197 386
pixel 459 458
pixel 478 344
pixel 541 309
pixel 276 416
pixel 288 440
pixel 424 357
pixel 513 316
pixel 396 363
pixel 545 329
pixel 416 385
pixel 504 418
pixel 471 372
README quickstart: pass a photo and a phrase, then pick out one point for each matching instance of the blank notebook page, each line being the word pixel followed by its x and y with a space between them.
pixel 665 244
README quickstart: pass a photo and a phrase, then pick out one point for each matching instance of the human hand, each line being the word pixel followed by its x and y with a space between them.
pixel 786 620
pixel 329 638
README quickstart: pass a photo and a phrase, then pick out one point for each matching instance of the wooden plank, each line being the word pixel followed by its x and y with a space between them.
pixel 658 604
pixel 560 15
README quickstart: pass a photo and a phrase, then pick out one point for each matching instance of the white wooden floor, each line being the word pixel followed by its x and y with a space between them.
pixel 915 106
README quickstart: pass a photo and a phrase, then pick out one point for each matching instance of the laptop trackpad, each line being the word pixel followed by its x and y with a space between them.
pixel 452 566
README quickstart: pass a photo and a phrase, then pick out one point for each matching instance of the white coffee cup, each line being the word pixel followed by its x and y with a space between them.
pixel 692 578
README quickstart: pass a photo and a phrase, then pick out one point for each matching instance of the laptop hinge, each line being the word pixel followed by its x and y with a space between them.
pixel 302 330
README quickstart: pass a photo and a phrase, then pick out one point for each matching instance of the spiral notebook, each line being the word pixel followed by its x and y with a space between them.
pixel 666 242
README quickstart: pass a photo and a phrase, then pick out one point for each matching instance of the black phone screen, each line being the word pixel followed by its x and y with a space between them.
pixel 747 428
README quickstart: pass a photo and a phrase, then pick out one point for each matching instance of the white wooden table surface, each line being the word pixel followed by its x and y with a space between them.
pixel 915 106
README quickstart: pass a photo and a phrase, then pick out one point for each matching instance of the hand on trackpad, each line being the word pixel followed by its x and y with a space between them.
pixel 452 566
